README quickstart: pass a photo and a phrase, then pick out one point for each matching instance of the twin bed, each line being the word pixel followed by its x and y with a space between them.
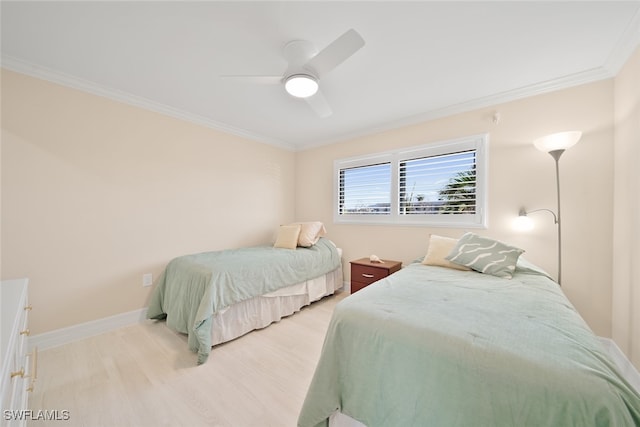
pixel 215 297
pixel 442 347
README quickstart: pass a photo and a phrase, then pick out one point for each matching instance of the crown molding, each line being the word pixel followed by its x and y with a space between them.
pixel 565 82
pixel 43 73
pixel 541 88
pixel 628 43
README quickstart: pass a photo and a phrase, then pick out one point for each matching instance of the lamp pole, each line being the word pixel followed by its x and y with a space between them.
pixel 556 156
pixel 555 145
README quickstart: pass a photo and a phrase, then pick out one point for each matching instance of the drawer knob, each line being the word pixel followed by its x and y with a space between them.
pixel 368 276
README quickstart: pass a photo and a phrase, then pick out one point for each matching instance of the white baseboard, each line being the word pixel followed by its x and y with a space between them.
pixel 96 327
pixel 85 330
pixel 626 368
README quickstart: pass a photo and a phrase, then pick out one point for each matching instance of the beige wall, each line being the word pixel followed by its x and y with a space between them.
pixel 519 175
pixel 626 249
pixel 95 193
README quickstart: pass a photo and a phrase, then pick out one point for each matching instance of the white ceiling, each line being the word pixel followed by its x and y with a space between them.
pixel 421 60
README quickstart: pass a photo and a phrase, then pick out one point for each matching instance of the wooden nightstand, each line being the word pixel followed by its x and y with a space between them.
pixel 365 272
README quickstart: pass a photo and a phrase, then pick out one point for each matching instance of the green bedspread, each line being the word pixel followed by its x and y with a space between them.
pixel 194 287
pixel 430 346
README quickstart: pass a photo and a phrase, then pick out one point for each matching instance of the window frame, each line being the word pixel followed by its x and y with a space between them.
pixel 478 143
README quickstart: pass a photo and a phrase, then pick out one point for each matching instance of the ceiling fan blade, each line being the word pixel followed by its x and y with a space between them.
pixel 336 53
pixel 266 80
pixel 319 104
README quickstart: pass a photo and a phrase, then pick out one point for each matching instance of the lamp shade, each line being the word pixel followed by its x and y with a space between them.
pixel 301 85
pixel 557 141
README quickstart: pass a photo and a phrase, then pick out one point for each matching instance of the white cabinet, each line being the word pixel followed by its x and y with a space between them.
pixel 16 375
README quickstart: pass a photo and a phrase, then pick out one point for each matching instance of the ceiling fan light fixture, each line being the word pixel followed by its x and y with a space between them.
pixel 301 85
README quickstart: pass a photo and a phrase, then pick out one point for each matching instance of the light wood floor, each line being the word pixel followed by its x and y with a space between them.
pixel 145 375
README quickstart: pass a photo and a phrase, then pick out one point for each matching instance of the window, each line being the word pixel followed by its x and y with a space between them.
pixel 366 190
pixel 441 184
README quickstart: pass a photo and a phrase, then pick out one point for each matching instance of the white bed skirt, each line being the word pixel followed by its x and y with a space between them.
pixel 261 311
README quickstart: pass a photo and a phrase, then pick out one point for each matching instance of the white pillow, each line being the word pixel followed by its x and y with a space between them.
pixel 439 248
pixel 287 236
pixel 310 233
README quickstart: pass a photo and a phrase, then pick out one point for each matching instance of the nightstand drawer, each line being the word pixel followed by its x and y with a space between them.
pixel 356 286
pixel 366 274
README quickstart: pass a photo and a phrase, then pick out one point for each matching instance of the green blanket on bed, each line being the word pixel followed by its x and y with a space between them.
pixel 194 287
pixel 431 346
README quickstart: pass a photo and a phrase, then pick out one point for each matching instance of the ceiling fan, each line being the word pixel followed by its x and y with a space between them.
pixel 307 66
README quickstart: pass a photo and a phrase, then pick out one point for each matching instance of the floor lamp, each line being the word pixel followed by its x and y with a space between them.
pixel 555 145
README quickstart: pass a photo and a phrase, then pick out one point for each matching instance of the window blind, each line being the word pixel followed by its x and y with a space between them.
pixel 366 190
pixel 442 184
